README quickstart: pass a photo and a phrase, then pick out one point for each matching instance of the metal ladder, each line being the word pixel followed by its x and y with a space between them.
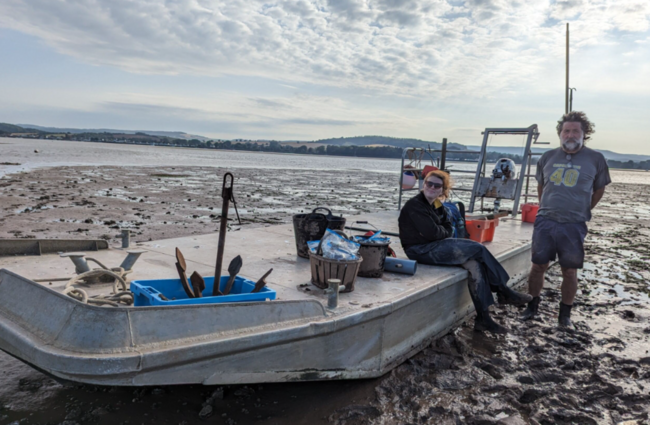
pixel 532 134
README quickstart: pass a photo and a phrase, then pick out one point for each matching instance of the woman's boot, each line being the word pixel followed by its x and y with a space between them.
pixel 506 295
pixel 484 322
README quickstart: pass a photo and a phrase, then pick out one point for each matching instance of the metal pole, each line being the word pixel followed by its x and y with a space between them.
pixel 529 140
pixel 401 179
pixel 126 238
pixel 571 90
pixel 479 167
pixel 443 154
pixel 226 194
pixel 566 89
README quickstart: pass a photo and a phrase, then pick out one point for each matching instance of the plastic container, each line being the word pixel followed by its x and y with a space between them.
pixel 147 292
pixel 323 269
pixel 374 256
pixel 333 222
pixel 529 212
pixel 481 230
pixel 311 227
pixel 400 265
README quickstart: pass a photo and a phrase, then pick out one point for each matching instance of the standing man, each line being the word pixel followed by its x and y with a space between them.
pixel 571 180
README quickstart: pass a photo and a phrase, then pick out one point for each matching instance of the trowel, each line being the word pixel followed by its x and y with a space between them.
pixel 233 269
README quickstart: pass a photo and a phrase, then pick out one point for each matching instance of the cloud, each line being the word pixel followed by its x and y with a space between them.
pixel 422 48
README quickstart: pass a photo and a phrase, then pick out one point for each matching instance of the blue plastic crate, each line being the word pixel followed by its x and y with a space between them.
pixel 147 292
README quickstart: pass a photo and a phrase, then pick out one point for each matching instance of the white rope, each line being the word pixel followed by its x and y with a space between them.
pixel 119 296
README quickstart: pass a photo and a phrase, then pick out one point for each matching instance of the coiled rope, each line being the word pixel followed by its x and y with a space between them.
pixel 121 296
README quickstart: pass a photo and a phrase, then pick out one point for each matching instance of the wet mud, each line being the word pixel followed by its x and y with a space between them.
pixel 166 202
pixel 596 373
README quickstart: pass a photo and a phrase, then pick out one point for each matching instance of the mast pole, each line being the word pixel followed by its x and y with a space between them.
pixel 566 89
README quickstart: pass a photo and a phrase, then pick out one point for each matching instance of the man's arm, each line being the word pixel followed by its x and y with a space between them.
pixel 596 196
pixel 540 187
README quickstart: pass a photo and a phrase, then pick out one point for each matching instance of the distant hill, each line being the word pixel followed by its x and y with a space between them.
pixel 607 153
pixel 10 128
pixel 387 141
pixel 171 134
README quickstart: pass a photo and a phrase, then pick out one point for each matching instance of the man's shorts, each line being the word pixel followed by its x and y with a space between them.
pixel 564 240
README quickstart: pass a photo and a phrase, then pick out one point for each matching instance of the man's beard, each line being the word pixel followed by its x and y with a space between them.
pixel 572 144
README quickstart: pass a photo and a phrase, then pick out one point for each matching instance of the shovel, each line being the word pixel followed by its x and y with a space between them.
pixel 226 195
pixel 233 269
pixel 261 283
pixel 181 266
pixel 198 284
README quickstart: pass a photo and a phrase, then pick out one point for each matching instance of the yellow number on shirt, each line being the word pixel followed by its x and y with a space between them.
pixel 556 177
pixel 571 177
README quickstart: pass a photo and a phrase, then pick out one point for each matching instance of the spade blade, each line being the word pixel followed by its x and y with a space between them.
pixel 261 283
pixel 184 283
pixel 181 259
pixel 233 269
pixel 198 284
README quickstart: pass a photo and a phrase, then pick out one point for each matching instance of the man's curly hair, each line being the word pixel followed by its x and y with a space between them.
pixel 577 116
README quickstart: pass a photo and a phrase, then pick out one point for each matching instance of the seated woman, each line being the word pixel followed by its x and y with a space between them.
pixel 425 232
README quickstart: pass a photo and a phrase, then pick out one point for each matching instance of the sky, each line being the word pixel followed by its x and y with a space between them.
pixel 307 70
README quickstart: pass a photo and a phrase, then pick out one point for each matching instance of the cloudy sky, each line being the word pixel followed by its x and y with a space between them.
pixel 306 70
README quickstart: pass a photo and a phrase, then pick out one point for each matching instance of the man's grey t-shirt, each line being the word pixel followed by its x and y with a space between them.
pixel 568 182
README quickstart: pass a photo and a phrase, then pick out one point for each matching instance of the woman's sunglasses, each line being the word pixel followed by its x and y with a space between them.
pixel 434 185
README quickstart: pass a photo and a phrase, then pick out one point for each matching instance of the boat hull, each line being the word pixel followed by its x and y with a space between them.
pixel 274 341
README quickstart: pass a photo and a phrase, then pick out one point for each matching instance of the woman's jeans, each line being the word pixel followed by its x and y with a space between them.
pixel 491 276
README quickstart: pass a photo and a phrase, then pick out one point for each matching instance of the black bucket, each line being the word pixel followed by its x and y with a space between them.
pixel 374 256
pixel 311 227
pixel 333 222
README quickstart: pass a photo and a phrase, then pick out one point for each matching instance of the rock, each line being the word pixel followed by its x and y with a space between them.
pixel 157 391
pixel 355 413
pixel 525 379
pixel 491 370
pixel 628 314
pixel 74 413
pixel 206 412
pixel 512 420
pixel 217 394
pixel 100 411
pixel 244 392
pixel 530 395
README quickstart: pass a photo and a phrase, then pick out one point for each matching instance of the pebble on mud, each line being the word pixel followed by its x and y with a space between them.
pixel 206 412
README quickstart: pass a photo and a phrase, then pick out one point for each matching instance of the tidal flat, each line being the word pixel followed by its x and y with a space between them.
pixel 597 373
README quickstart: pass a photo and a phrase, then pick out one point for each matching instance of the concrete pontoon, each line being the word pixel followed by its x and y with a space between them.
pixel 375 328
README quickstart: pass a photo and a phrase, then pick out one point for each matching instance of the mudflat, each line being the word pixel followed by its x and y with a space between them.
pixel 597 373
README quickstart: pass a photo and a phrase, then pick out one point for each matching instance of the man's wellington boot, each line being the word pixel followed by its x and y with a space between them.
pixel 505 295
pixel 564 320
pixel 531 310
pixel 484 322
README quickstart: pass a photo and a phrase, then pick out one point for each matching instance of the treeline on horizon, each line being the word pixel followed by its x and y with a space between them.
pixel 629 165
pixel 303 149
pixel 275 146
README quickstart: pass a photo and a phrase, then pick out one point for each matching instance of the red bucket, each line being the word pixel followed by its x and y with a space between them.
pixel 481 230
pixel 529 212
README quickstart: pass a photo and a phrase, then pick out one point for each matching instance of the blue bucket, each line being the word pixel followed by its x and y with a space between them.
pixel 147 292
